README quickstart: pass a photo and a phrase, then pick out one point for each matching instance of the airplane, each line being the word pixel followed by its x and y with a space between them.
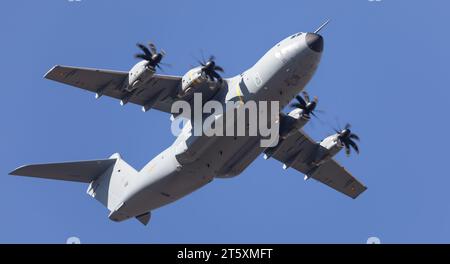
pixel 192 162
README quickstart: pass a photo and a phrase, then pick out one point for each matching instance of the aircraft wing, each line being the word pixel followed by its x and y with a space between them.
pixel 296 151
pixel 158 93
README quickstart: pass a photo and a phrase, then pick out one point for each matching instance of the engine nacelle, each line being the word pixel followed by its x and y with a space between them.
pixel 138 75
pixel 295 120
pixel 329 147
pixel 194 81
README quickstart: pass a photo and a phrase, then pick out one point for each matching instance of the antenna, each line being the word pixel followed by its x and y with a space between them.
pixel 322 26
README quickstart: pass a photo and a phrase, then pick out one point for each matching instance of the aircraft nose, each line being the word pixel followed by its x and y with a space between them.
pixel 314 42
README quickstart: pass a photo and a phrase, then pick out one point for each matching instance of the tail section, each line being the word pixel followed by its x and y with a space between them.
pixel 108 180
pixel 109 187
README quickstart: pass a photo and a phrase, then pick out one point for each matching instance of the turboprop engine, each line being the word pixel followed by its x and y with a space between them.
pixel 143 71
pixel 138 75
pixel 331 145
pixel 203 79
pixel 303 110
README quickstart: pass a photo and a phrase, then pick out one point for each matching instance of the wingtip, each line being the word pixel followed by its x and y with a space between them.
pixel 364 188
pixel 47 74
pixel 17 171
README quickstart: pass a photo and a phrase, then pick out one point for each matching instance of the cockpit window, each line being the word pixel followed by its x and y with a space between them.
pixel 296 35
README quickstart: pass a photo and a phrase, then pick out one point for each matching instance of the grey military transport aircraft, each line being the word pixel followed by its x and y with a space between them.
pixel 193 161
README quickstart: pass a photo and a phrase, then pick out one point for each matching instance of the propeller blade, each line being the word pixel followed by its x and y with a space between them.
pixel 160 68
pixel 144 49
pixel 142 56
pixel 216 75
pixel 166 64
pixel 201 63
pixel 296 105
pixel 306 95
pixel 152 47
pixel 208 75
pixel 218 68
pixel 347 148
pixel 203 57
pixel 300 100
pixel 353 145
pixel 316 99
pixel 354 136
pixel 347 126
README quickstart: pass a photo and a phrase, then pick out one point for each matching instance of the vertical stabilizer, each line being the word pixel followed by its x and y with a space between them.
pixel 109 188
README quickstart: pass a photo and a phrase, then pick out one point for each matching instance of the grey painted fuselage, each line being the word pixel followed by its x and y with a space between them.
pixel 279 75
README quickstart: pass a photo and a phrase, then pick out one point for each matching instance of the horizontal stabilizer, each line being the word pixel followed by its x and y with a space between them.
pixel 80 171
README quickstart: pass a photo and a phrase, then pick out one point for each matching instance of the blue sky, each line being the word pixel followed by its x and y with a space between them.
pixel 384 70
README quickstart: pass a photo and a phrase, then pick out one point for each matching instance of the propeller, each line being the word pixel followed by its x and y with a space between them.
pixel 150 54
pixel 210 68
pixel 347 138
pixel 306 104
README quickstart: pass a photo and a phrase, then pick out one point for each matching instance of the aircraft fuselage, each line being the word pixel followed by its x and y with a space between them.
pixel 279 75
